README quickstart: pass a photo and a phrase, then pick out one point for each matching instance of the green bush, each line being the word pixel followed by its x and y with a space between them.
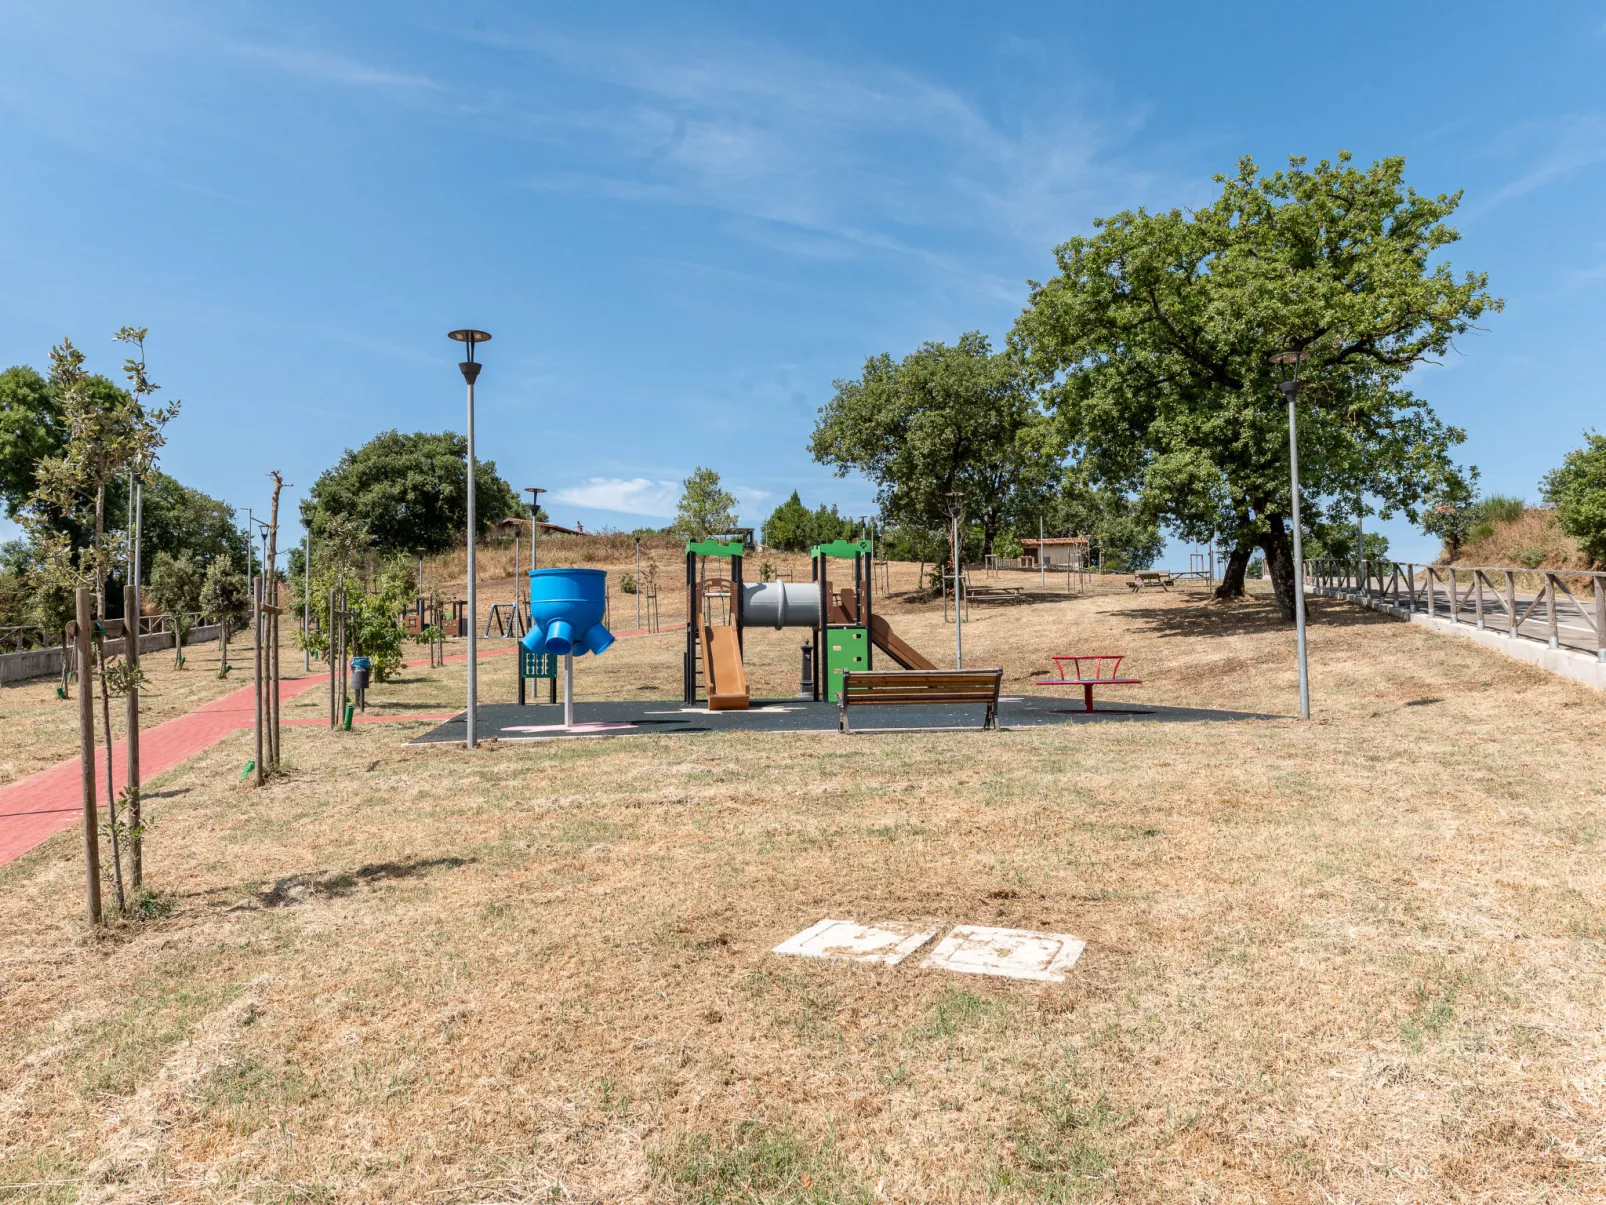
pixel 1578 492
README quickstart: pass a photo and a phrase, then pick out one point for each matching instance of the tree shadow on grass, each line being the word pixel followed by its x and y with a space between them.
pixel 303 888
pixel 1251 617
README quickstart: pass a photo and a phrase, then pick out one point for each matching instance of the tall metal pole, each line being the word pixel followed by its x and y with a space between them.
pixel 638 583
pixel 306 597
pixel 1042 555
pixel 86 755
pixel 473 595
pixel 1291 388
pixel 139 523
pixel 568 689
pixel 471 372
pixel 954 555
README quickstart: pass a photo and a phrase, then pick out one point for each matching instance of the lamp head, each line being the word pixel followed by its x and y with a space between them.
pixel 470 337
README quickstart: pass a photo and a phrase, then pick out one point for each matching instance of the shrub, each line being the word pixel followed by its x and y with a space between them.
pixel 1578 492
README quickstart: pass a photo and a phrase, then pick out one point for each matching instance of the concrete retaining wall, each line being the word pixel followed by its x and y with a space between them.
pixel 46 663
pixel 1580 667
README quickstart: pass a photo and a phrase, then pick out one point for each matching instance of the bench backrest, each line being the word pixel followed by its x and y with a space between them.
pixel 1089 667
pixel 921 686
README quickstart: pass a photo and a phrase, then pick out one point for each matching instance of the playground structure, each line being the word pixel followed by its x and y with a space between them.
pixel 845 627
pixel 566 616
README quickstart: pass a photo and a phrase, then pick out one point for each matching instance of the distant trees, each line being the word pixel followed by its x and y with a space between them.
pixel 793 527
pixel 1578 492
pixel 409 493
pixel 176 587
pixel 705 507
pixel 1154 344
pixel 944 419
pixel 31 429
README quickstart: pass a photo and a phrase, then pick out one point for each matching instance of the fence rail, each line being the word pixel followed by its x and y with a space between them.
pixel 1564 608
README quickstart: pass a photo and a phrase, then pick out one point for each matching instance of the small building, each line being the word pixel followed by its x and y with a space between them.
pixel 506 529
pixel 1057 552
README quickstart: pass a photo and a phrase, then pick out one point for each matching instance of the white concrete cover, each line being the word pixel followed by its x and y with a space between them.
pixel 1011 953
pixel 887 944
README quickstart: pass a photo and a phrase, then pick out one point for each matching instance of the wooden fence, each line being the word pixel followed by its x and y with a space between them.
pixel 1529 604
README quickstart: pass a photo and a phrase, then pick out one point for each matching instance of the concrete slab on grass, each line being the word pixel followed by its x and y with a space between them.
pixel 887 944
pixel 1009 953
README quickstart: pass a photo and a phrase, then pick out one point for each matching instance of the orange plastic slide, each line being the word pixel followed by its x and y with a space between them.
pixel 722 666
pixel 894 646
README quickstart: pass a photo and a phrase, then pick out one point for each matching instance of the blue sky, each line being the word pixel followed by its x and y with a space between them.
pixel 682 222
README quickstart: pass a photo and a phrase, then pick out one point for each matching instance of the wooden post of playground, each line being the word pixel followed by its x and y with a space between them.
pixel 136 843
pixel 86 759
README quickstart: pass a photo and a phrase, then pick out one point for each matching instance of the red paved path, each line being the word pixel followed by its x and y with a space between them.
pixel 36 808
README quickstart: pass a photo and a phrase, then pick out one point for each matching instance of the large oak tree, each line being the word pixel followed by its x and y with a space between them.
pixel 1154 343
pixel 409 493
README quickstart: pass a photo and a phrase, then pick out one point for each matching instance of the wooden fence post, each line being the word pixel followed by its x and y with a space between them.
pixel 1550 605
pixel 86 757
pixel 1600 618
pixel 1511 603
pixel 1477 586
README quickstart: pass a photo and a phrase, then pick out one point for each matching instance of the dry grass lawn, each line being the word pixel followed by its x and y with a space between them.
pixel 1358 960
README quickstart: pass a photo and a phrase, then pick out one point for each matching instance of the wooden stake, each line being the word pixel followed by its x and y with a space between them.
pixel 86 759
pixel 256 669
pixel 136 844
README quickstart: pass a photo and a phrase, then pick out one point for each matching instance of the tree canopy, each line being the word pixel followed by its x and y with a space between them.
pixel 705 507
pixel 943 419
pixel 1154 342
pixel 31 429
pixel 1578 492
pixel 409 493
pixel 793 527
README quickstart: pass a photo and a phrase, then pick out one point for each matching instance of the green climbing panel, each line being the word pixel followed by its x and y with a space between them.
pixel 537 665
pixel 845 648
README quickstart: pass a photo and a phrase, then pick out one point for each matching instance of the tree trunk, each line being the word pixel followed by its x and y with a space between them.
pixel 1278 546
pixel 1232 572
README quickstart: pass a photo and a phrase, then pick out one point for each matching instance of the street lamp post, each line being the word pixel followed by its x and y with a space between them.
pixel 306 598
pixel 1288 365
pixel 471 371
pixel 956 507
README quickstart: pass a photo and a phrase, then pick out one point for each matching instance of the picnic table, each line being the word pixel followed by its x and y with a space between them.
pixel 996 593
pixel 1087 671
pixel 1151 577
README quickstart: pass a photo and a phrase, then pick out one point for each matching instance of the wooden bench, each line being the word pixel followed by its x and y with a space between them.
pixel 1150 577
pixel 860 687
pixel 1087 671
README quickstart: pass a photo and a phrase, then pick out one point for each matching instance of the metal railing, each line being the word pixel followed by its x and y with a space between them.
pixel 26 637
pixel 1529 604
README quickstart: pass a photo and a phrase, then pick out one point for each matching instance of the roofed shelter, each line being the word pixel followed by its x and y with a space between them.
pixel 1057 552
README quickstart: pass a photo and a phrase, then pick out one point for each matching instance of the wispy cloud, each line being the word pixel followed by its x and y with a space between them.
pixel 1555 150
pixel 626 495
pixel 331 68
pixel 814 158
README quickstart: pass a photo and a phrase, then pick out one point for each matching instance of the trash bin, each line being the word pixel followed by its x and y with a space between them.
pixel 361 667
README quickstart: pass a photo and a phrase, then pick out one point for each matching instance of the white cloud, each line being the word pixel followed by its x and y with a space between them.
pixel 630 496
